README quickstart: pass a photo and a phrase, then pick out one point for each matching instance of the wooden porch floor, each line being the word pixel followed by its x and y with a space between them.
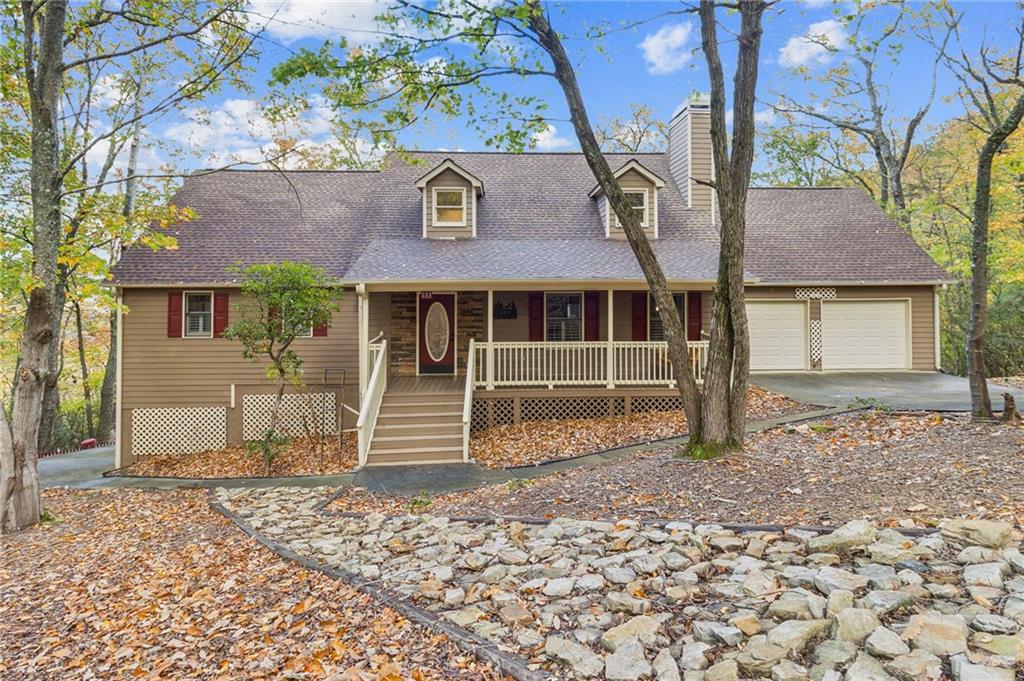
pixel 427 384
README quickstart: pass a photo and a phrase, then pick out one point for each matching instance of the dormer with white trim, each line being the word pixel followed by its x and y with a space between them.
pixel 450 196
pixel 641 187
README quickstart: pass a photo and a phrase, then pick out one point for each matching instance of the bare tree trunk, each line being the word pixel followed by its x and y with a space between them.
pixel 55 360
pixel 675 334
pixel 726 379
pixel 108 397
pixel 84 369
pixel 20 503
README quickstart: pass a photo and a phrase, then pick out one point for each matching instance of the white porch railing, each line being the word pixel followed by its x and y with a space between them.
pixel 467 401
pixel 370 407
pixel 550 364
pixel 375 349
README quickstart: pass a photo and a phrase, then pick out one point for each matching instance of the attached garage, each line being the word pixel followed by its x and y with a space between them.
pixel 778 335
pixel 865 334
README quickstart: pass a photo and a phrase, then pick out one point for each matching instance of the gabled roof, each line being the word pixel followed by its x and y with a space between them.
pixel 449 164
pixel 632 164
pixel 367 225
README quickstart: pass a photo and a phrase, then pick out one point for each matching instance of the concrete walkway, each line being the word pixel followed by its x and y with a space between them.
pixel 72 469
pixel 923 390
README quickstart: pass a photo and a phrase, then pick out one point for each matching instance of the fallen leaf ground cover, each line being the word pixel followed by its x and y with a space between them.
pixel 889 468
pixel 303 457
pixel 537 441
pixel 143 584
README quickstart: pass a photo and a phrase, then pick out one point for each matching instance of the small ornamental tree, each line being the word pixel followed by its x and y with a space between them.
pixel 283 301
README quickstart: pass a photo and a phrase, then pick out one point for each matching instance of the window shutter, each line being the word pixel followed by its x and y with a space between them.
pixel 174 314
pixel 591 316
pixel 220 313
pixel 320 331
pixel 693 315
pixel 639 315
pixel 536 316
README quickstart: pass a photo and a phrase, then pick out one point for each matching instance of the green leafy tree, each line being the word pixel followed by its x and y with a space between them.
pixel 283 302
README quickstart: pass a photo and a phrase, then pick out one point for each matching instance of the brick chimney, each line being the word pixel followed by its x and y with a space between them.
pixel 689 150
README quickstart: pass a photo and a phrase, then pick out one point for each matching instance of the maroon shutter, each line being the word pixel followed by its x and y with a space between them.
pixel 220 313
pixel 591 316
pixel 320 330
pixel 174 314
pixel 536 316
pixel 693 315
pixel 640 315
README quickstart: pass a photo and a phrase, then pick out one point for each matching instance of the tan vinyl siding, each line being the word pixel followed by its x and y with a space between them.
pixel 631 179
pixel 700 159
pixel 158 371
pixel 380 314
pixel 448 178
pixel 922 329
pixel 679 152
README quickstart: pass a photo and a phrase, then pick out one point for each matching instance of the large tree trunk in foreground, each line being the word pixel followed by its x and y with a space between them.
pixel 675 334
pixel 55 361
pixel 726 378
pixel 20 504
pixel 981 402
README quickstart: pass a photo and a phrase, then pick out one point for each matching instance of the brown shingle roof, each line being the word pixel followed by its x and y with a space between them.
pixel 535 220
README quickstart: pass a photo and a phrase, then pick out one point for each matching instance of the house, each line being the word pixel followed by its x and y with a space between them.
pixel 481 289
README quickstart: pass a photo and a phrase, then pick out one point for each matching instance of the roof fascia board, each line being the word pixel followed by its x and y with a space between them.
pixel 632 164
pixel 449 164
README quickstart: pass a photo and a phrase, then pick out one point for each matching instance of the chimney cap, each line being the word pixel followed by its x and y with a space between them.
pixel 696 100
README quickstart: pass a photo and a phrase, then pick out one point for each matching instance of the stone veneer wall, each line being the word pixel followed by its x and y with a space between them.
pixel 403 334
pixel 471 324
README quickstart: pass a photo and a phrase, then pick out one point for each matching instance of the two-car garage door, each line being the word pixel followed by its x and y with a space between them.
pixel 855 334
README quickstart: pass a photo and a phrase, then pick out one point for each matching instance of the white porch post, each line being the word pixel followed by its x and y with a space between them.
pixel 363 313
pixel 119 383
pixel 490 339
pixel 610 358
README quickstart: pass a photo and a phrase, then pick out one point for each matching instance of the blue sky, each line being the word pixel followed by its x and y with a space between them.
pixel 657 63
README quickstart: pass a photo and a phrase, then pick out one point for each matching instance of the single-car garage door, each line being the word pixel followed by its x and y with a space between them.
pixel 778 335
pixel 864 334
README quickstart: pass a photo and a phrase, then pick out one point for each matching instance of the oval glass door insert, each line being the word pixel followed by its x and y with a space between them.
pixel 436 331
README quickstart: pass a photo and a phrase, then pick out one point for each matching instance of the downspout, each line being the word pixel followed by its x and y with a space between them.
pixel 118 403
pixel 363 313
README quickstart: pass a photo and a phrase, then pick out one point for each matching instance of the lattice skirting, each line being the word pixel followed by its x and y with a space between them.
pixel 499 411
pixel 295 411
pixel 812 293
pixel 178 430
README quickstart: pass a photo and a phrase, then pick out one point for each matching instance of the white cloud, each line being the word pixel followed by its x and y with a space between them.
pixel 816 4
pixel 762 117
pixel 297 19
pixel 815 46
pixel 548 140
pixel 239 131
pixel 667 50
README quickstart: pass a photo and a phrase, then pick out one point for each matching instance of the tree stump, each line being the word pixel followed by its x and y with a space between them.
pixel 1010 413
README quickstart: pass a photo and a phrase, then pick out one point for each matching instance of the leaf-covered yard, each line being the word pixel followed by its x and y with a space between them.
pixel 885 467
pixel 135 584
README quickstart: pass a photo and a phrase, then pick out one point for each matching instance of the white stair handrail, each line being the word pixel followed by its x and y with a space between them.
pixel 370 407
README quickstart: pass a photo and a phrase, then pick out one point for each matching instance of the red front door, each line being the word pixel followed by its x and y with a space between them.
pixel 437 333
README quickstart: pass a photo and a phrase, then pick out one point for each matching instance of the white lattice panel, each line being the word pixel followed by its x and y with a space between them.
pixel 295 410
pixel 815 340
pixel 178 430
pixel 815 293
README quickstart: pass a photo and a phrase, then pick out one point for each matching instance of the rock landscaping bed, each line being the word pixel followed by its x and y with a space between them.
pixel 627 600
pixel 303 457
pixel 538 441
pixel 139 584
pixel 891 468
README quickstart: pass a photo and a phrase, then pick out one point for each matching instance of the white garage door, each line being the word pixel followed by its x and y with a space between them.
pixel 864 334
pixel 778 335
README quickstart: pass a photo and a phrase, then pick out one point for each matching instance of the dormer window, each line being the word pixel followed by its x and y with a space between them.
pixel 449 206
pixel 638 200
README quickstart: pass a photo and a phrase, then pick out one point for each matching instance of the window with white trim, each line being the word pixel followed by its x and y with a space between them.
pixel 449 207
pixel 637 199
pixel 564 317
pixel 655 327
pixel 198 315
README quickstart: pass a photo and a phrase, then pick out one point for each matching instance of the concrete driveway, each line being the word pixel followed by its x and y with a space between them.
pixel 71 470
pixel 924 390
